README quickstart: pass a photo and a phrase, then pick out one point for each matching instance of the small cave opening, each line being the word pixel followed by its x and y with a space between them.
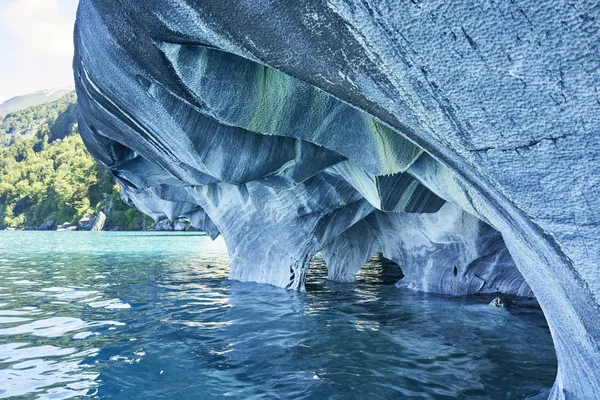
pixel 316 274
pixel 380 271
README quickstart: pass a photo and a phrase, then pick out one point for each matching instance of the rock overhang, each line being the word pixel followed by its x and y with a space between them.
pixel 354 128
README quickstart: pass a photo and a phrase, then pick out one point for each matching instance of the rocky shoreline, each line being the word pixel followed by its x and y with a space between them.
pixel 97 222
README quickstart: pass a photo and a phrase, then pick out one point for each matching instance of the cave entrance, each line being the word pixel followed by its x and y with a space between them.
pixel 316 274
pixel 380 271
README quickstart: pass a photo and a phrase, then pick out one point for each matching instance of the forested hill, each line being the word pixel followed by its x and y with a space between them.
pixel 32 99
pixel 59 116
pixel 47 177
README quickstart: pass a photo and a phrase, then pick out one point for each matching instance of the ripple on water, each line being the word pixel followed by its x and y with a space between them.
pixel 30 376
pixel 54 327
pixel 111 304
pixel 68 293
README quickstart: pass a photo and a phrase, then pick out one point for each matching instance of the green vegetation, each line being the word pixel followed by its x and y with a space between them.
pixel 62 113
pixel 46 173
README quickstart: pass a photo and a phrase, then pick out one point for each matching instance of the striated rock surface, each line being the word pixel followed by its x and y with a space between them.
pixel 462 141
pixel 99 222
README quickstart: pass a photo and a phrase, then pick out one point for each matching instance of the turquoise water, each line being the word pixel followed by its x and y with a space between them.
pixel 111 315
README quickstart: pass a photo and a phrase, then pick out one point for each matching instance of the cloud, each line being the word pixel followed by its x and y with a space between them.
pixel 39 26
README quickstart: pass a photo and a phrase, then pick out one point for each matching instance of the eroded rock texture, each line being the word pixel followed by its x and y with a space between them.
pixel 462 141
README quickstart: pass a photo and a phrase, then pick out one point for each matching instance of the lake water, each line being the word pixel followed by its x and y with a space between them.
pixel 115 315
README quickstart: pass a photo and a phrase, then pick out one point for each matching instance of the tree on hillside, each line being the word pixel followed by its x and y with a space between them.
pixel 47 173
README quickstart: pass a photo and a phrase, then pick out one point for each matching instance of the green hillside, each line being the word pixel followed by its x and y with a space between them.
pixel 59 116
pixel 46 173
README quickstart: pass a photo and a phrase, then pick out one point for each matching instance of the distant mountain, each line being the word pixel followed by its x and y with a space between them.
pixel 32 99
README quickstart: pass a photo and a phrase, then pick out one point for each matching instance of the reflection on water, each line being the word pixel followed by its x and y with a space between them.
pixel 123 315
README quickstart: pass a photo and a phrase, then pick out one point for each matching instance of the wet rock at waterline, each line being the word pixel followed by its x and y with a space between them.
pixel 99 222
pixel 48 225
pixel 498 302
pixel 296 127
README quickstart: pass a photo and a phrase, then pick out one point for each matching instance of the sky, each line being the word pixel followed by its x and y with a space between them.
pixel 36 45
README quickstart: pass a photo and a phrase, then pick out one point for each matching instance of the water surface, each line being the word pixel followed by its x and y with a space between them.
pixel 112 315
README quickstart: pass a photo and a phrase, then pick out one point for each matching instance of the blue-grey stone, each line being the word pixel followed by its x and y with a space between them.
pixel 460 139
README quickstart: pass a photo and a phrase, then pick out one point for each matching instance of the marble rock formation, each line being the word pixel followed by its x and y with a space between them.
pixel 461 140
